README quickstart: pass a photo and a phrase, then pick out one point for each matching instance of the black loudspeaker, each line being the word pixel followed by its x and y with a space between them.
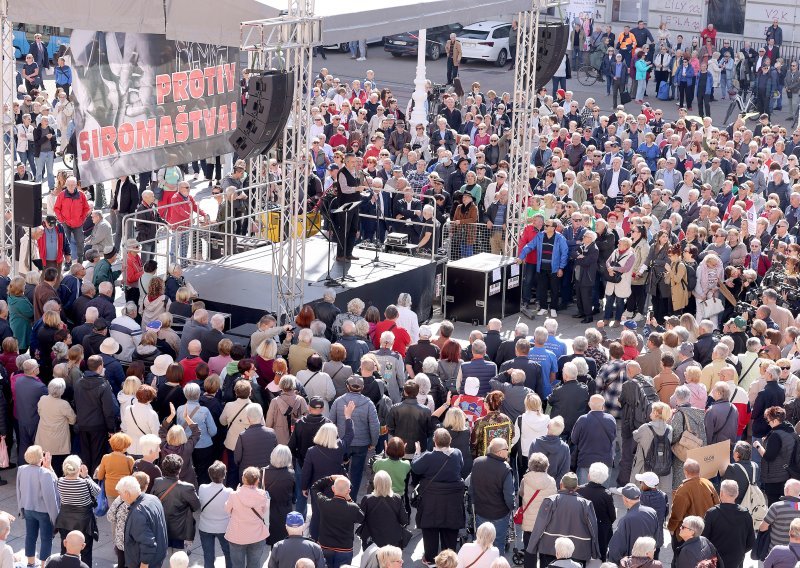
pixel 27 203
pixel 268 104
pixel 551 48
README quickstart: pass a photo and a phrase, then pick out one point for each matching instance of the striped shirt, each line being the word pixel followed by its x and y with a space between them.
pixel 76 491
pixel 779 516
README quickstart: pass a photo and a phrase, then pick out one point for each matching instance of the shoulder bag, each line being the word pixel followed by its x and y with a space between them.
pixel 687 441
pixel 167 492
pixel 474 562
pixel 520 512
pixel 203 508
pixel 416 494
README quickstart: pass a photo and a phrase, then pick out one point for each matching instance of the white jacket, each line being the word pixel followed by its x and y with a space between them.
pixel 137 420
pixel 626 260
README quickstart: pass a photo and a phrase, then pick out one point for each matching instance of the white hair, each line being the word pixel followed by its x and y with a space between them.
pixel 387 338
pixel 598 472
pixel 551 325
pixel 484 536
pixel 281 456
pixel 330 294
pixel 645 545
pixel 430 365
pixel 569 371
pixel 564 547
pixel 305 335
pixel 129 485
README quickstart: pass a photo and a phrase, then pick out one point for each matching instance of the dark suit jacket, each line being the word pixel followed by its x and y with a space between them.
pixel 609 174
pixel 126 198
pixel 35 51
pixel 588 265
pixel 210 343
pixel 27 392
pixel 105 307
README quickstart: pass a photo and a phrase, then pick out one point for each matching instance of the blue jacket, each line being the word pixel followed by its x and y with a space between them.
pixel 146 532
pixel 593 435
pixel 63 75
pixel 689 78
pixel 709 83
pixel 650 154
pixel 365 418
pixel 560 251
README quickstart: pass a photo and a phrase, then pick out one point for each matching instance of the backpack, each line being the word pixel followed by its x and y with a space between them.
pixel 646 395
pixel 753 499
pixel 659 455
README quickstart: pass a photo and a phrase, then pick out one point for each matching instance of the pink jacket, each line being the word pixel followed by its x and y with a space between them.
pixel 248 507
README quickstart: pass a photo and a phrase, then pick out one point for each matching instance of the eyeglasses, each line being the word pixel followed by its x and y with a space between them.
pixel 216 193
pixel 785 368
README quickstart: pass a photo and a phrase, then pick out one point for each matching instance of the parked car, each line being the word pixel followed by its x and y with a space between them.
pixel 487 41
pixel 344 47
pixel 406 43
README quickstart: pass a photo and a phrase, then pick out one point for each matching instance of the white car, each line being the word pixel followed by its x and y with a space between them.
pixel 487 41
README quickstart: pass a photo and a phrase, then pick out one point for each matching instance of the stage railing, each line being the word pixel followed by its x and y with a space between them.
pixel 468 239
pixel 414 230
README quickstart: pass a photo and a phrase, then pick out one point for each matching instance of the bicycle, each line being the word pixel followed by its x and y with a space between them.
pixel 588 75
pixel 744 101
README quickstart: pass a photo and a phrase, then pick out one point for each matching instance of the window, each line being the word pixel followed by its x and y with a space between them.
pixel 502 32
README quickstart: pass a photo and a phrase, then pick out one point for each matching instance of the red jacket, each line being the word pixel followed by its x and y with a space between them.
pixel 764 263
pixel 189 365
pixel 528 233
pixel 42 244
pixel 133 269
pixel 401 337
pixel 180 212
pixel 72 208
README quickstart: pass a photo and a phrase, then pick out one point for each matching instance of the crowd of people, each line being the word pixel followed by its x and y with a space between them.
pixel 350 424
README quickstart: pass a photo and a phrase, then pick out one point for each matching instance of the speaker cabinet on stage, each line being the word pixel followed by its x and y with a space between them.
pixel 269 100
pixel 551 48
pixel 27 203
pixel 475 288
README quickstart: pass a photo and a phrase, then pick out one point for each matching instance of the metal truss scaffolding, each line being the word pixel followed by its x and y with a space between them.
pixel 7 93
pixel 524 101
pixel 286 43
pixel 522 139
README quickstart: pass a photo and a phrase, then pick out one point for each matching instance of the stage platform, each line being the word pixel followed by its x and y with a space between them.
pixel 231 286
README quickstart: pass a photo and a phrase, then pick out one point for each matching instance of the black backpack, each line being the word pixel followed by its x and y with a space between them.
pixel 659 455
pixel 646 395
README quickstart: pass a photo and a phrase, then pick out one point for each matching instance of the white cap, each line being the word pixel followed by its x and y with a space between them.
pixel 648 478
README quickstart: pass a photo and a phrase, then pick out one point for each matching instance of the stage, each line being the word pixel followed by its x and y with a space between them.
pixel 233 286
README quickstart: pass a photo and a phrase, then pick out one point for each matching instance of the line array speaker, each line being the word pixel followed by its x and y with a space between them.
pixel 27 203
pixel 551 48
pixel 268 104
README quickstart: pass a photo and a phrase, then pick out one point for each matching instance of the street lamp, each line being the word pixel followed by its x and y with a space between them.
pixel 420 96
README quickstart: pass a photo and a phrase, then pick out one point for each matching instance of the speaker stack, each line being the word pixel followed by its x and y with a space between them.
pixel 265 114
pixel 27 203
pixel 551 48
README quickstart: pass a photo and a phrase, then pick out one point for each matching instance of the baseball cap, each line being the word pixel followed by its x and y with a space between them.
pixel 294 520
pixel 630 324
pixel 355 382
pixel 740 322
pixel 316 402
pixel 154 325
pixel 648 478
pixel 52 219
pixel 631 491
pixel 99 324
pixel 397 169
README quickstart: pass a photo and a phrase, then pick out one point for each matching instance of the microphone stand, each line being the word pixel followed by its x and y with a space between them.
pixel 381 217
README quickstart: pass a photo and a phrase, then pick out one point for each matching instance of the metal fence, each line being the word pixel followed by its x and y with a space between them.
pixel 462 240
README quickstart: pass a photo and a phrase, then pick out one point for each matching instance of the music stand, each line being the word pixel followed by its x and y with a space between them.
pixel 346 208
pixel 329 281
pixel 381 217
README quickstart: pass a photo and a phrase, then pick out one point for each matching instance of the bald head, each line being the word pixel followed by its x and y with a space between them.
pixel 74 543
pixel 341 487
pixel 195 347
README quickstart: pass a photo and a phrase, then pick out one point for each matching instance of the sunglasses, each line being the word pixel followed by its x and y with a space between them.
pixel 785 368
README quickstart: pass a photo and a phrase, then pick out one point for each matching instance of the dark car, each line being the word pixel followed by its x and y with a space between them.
pixel 406 43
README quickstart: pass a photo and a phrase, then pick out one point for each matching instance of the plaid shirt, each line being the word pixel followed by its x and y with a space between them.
pixel 609 384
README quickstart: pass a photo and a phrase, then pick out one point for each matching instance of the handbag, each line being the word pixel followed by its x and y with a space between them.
pixel 687 441
pixel 101 508
pixel 4 461
pixel 712 307
pixel 416 494
pixel 405 537
pixel 520 512
pixel 625 97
